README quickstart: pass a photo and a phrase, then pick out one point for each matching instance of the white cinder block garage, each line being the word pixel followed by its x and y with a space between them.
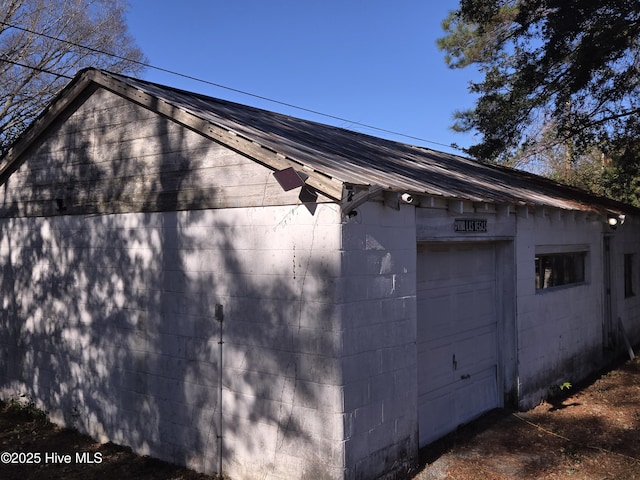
pixel 233 289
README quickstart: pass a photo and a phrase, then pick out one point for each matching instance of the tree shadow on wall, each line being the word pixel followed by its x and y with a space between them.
pixel 111 316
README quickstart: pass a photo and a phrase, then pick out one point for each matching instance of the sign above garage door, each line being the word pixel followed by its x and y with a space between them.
pixel 470 225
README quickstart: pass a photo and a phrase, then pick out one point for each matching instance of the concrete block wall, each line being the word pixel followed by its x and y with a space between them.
pixel 111 328
pixel 626 240
pixel 378 307
pixel 559 330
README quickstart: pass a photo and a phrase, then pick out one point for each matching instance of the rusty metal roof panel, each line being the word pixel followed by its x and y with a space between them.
pixel 359 159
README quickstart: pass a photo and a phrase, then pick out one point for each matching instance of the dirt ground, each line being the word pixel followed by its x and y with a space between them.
pixel 592 433
pixel 26 431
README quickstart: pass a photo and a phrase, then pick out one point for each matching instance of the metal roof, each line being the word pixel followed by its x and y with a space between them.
pixel 336 156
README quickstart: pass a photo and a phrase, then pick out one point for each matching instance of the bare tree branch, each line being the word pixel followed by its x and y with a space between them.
pixel 45 42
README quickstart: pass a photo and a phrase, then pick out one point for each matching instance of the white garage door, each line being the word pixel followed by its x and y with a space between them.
pixel 457 336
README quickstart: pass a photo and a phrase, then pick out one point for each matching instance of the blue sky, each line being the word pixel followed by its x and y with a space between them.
pixel 373 62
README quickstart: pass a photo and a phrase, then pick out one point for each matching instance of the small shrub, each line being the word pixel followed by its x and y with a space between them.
pixel 23 408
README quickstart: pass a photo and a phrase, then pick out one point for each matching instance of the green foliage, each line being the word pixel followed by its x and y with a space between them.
pixel 25 409
pixel 594 172
pixel 622 182
pixel 565 386
pixel 558 391
pixel 556 73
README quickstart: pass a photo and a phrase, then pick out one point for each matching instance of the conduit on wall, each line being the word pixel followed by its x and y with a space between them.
pixel 219 315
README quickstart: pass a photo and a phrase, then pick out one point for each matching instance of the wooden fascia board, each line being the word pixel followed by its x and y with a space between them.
pixel 328 186
pixel 351 202
pixel 66 97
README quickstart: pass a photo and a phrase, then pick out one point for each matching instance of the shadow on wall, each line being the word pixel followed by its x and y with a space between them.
pixel 111 317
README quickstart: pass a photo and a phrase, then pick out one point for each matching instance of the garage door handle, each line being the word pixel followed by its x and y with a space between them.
pixel 465 377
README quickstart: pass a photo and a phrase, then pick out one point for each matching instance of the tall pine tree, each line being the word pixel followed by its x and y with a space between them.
pixel 556 72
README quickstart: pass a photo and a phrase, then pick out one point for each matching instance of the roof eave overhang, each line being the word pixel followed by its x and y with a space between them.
pixel 333 188
pixel 58 105
pixel 356 195
pixel 322 183
pixel 329 186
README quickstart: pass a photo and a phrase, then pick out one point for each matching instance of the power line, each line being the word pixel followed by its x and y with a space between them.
pixel 37 69
pixel 200 80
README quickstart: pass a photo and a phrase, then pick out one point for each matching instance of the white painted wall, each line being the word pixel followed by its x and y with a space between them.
pixel 109 319
pixel 378 305
pixel 111 329
pixel 552 336
pixel 560 329
pixel 627 241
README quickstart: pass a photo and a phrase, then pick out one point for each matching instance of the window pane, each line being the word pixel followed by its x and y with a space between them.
pixel 554 270
pixel 628 275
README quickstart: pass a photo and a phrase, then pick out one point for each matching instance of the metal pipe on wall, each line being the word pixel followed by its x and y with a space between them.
pixel 220 317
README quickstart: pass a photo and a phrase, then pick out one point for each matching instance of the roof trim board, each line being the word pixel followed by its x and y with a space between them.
pixel 333 158
pixel 68 95
pixel 229 138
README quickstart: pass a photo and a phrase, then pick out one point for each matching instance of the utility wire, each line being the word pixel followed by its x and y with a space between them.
pixel 38 69
pixel 189 77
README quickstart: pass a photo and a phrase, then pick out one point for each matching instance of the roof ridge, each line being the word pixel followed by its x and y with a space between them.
pixel 333 156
